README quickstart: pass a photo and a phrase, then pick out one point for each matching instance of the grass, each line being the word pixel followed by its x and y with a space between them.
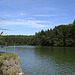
pixel 4 55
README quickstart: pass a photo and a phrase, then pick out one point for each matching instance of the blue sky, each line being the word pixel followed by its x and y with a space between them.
pixel 25 17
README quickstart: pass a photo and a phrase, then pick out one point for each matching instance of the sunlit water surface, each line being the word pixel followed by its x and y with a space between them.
pixel 36 60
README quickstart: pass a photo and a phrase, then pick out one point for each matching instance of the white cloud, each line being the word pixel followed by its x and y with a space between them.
pixel 21 14
pixel 13 15
pixel 48 15
pixel 42 21
pixel 43 15
pixel 30 18
pixel 29 23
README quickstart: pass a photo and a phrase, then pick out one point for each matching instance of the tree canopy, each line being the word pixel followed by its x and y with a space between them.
pixel 62 35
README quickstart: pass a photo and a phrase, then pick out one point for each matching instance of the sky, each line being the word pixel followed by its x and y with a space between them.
pixel 26 17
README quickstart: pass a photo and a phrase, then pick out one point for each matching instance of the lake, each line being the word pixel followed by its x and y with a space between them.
pixel 42 60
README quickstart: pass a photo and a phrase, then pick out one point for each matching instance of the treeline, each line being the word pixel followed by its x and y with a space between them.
pixel 62 35
pixel 17 40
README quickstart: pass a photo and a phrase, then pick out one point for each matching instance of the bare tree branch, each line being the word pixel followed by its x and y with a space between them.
pixel 4 29
pixel 1 19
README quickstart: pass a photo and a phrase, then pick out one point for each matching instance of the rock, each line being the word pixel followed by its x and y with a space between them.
pixel 10 66
pixel 21 73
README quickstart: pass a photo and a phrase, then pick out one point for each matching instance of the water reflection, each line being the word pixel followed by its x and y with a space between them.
pixel 37 60
pixel 62 59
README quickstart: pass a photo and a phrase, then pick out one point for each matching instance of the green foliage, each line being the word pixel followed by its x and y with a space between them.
pixel 62 35
pixel 19 40
pixel 2 42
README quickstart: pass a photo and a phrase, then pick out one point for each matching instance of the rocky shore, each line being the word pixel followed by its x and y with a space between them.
pixel 10 64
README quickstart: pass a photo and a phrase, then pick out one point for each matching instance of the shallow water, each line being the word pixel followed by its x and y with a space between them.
pixel 37 60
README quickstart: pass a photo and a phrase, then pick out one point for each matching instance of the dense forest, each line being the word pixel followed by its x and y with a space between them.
pixel 62 35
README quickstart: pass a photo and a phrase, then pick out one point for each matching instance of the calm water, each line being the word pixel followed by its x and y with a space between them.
pixel 45 60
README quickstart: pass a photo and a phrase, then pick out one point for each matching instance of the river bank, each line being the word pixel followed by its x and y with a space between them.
pixel 10 64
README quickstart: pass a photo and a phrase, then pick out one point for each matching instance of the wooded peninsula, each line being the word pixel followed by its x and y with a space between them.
pixel 62 35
